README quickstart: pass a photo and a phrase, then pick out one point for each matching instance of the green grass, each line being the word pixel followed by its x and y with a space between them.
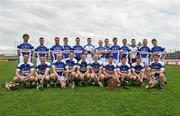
pixel 84 101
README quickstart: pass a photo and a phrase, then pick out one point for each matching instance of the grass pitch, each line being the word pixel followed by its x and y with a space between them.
pixel 85 101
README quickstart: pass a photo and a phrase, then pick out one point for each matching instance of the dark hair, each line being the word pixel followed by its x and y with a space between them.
pixel 153 40
pixel 132 39
pixel 25 35
pixel 56 38
pixel 106 39
pixel 123 57
pixel 114 38
pixel 65 38
pixel 124 40
pixel 77 38
pixel 156 55
pixel 41 38
pixel 110 56
pixel 88 38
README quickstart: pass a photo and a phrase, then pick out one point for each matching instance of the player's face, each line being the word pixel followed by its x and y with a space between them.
pixel 100 42
pixel 71 55
pixel 138 61
pixel 83 57
pixel 65 41
pixel 59 57
pixel 96 57
pixel 154 43
pixel 115 41
pixel 89 41
pixel 123 60
pixel 57 41
pixel 43 60
pixel 106 41
pixel 145 42
pixel 26 57
pixel 77 41
pixel 124 42
pixel 26 38
pixel 110 60
pixel 156 58
pixel 41 41
pixel 133 42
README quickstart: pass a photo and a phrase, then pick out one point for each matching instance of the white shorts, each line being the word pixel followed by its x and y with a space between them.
pixel 145 61
pixel 62 78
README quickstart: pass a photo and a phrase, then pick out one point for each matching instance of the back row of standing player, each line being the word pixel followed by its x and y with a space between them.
pixel 115 50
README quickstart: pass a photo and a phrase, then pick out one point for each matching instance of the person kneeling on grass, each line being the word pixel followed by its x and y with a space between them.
pixel 72 64
pixel 42 72
pixel 59 71
pixel 25 72
pixel 109 70
pixel 138 71
pixel 83 69
pixel 156 73
pixel 123 72
pixel 96 70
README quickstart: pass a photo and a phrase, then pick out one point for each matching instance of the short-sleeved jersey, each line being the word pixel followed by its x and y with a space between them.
pixel 158 50
pixel 83 65
pixel 123 68
pixel 89 49
pixel 25 49
pixel 55 50
pixel 109 68
pixel 60 67
pixel 96 66
pixel 41 68
pixel 134 51
pixel 144 51
pixel 71 63
pixel 41 51
pixel 101 48
pixel 125 51
pixel 25 69
pixel 107 48
pixel 138 67
pixel 66 51
pixel 156 67
pixel 78 50
pixel 115 51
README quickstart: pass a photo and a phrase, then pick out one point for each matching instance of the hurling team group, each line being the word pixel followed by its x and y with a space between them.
pixel 77 65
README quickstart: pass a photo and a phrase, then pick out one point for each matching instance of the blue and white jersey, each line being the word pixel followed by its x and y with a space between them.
pixel 144 52
pixel 125 51
pixel 134 51
pixel 123 68
pixel 115 51
pixel 25 49
pixel 83 65
pixel 138 68
pixel 107 48
pixel 55 50
pixel 78 50
pixel 41 68
pixel 96 66
pixel 41 51
pixel 157 67
pixel 25 69
pixel 66 51
pixel 101 48
pixel 158 50
pixel 71 63
pixel 60 67
pixel 89 49
pixel 109 68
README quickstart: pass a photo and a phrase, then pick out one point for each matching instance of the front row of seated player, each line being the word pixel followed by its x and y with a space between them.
pixel 69 72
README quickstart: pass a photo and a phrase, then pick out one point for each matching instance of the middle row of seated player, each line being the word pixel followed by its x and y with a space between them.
pixel 70 70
